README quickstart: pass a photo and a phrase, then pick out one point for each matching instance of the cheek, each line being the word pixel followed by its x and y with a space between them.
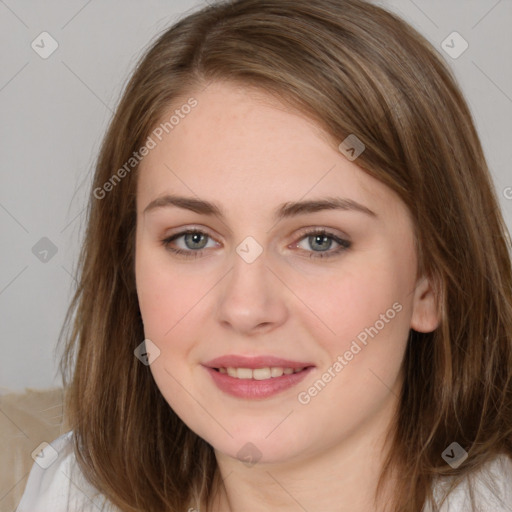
pixel 166 300
pixel 174 304
pixel 165 295
pixel 369 311
pixel 368 307
pixel 368 299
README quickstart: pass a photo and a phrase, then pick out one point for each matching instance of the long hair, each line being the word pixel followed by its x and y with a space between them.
pixel 355 69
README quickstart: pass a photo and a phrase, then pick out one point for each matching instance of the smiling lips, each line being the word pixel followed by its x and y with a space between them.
pixel 255 377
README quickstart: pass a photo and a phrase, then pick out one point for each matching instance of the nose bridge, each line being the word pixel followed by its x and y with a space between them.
pixel 249 269
pixel 250 296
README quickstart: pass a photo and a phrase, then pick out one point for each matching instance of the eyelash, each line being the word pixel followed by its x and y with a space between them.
pixel 343 244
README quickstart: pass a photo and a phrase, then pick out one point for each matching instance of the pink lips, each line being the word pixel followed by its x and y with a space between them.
pixel 251 388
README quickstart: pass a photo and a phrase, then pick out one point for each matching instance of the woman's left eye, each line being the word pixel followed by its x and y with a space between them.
pixel 195 241
pixel 321 241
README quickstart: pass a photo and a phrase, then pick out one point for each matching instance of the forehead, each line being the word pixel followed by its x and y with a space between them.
pixel 241 146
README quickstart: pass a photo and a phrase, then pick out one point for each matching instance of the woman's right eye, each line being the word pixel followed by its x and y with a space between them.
pixel 193 243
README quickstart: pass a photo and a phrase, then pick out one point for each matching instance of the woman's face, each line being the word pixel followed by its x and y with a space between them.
pixel 283 321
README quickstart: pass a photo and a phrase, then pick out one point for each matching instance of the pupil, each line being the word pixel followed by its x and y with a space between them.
pixel 194 238
pixel 320 240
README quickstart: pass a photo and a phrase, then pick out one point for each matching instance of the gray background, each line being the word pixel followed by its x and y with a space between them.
pixel 55 111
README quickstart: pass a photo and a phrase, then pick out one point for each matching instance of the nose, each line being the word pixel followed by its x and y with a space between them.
pixel 252 299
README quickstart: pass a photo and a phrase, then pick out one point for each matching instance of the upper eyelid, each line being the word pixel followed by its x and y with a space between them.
pixel 320 229
pixel 186 231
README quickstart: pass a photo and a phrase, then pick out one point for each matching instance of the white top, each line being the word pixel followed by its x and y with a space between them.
pixel 56 484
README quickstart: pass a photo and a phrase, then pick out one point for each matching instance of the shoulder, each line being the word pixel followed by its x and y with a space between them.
pixel 56 483
pixel 491 487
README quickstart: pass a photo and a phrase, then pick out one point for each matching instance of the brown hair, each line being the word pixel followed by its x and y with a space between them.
pixel 355 69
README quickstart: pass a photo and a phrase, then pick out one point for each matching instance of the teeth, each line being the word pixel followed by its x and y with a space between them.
pixel 259 373
pixel 244 373
pixel 276 372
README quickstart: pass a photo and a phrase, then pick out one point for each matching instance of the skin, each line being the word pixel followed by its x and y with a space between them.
pixel 250 154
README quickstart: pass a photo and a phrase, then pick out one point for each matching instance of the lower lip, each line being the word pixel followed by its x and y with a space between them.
pixel 256 389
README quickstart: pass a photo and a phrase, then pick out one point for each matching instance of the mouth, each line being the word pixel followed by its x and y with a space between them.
pixel 256 377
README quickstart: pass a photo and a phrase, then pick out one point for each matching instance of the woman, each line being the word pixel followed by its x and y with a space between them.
pixel 295 287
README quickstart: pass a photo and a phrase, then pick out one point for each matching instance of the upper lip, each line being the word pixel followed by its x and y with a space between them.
pixel 236 361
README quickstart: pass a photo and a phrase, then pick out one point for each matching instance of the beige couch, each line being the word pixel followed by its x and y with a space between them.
pixel 26 420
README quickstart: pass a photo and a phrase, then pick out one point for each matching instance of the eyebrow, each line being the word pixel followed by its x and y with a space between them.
pixel 286 210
